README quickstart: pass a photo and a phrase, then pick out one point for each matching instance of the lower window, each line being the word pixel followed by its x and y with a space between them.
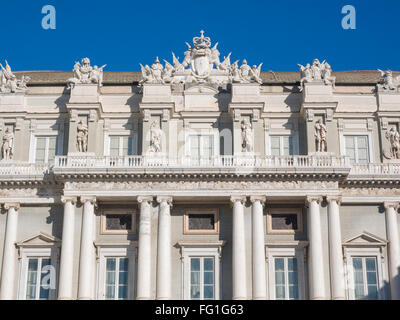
pixel 202 279
pixel 365 276
pixel 286 278
pixel 117 274
pixel 37 287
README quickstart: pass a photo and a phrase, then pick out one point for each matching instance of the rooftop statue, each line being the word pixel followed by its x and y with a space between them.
pixel 388 82
pixel 317 72
pixel 85 73
pixel 9 82
pixel 201 64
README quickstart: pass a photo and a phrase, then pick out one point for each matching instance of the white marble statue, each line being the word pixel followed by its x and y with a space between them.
pixel 388 82
pixel 317 72
pixel 320 136
pixel 83 72
pixel 82 136
pixel 201 64
pixel 394 139
pixel 247 136
pixel 8 144
pixel 155 137
pixel 9 82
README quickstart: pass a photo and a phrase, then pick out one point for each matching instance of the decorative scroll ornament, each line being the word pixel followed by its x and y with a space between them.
pixel 388 82
pixel 9 82
pixel 85 73
pixel 201 64
pixel 317 72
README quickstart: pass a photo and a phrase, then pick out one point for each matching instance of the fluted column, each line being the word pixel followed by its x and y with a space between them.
pixel 239 286
pixel 164 249
pixel 392 231
pixel 144 250
pixel 315 256
pixel 67 249
pixel 335 249
pixel 258 249
pixel 9 267
pixel 87 258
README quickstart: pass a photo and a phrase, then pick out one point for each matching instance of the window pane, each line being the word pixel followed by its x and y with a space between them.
pixel 52 148
pixel 123 292
pixel 110 264
pixel 284 221
pixel 275 146
pixel 194 292
pixel 40 149
pixel 357 264
pixel 208 292
pixel 195 278
pixel 280 292
pixel 195 146
pixel 370 264
pixel 114 146
pixel 195 264
pixel 123 264
pixel 209 264
pixel 207 146
pixel 293 292
pixel 292 264
pixel 118 221
pixel 32 279
pixel 45 280
pixel 350 148
pixel 201 221
pixel 208 277
pixel 279 264
pixel 287 145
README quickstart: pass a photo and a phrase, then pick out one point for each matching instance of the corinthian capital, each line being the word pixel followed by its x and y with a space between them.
pixel 391 204
pixel 167 199
pixel 91 199
pixel 145 199
pixel 241 199
pixel 65 199
pixel 9 205
pixel 338 199
pixel 310 199
pixel 262 199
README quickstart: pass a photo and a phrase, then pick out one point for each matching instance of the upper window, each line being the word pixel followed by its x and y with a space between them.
pixel 357 148
pixel 117 222
pixel 45 149
pixel 284 221
pixel 281 145
pixel 201 146
pixel 286 278
pixel 121 145
pixel 37 287
pixel 116 280
pixel 202 278
pixel 201 222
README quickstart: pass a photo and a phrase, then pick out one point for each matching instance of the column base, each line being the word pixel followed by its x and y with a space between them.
pixel 85 298
pixel 143 298
pixel 65 298
pixel 260 298
pixel 239 298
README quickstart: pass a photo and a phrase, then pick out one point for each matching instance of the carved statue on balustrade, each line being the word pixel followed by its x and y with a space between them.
pixel 388 82
pixel 9 82
pixel 204 66
pixel 82 136
pixel 316 72
pixel 85 73
pixel 247 136
pixel 8 144
pixel 320 136
pixel 155 137
pixel 394 139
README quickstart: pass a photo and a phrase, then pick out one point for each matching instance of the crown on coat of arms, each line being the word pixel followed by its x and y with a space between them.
pixel 202 42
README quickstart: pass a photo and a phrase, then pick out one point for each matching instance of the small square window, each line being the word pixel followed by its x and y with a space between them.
pixel 284 221
pixel 118 222
pixel 201 222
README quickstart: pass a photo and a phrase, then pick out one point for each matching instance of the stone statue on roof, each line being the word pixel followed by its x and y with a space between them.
pixel 388 82
pixel 317 72
pixel 9 82
pixel 84 73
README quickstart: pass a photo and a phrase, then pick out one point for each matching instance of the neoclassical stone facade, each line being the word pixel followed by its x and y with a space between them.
pixel 199 179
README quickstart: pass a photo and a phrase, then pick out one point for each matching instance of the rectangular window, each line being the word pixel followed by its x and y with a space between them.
pixel 37 287
pixel 365 277
pixel 201 146
pixel 286 278
pixel 284 221
pixel 281 145
pixel 204 221
pixel 45 149
pixel 118 222
pixel 116 280
pixel 357 148
pixel 202 278
pixel 121 145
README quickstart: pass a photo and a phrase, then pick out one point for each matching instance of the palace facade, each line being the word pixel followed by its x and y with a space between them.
pixel 199 179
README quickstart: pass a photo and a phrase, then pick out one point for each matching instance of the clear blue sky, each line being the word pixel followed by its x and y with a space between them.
pixel 122 33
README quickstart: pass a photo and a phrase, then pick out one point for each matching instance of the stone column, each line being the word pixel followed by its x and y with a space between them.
pixel 87 258
pixel 144 250
pixel 239 286
pixel 315 256
pixel 335 249
pixel 258 249
pixel 9 266
pixel 164 249
pixel 67 249
pixel 392 231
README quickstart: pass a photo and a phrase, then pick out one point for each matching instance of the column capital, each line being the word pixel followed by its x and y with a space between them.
pixel 262 199
pixel 91 199
pixel 146 199
pixel 241 199
pixel 337 198
pixel 65 199
pixel 391 204
pixel 9 205
pixel 310 199
pixel 167 199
